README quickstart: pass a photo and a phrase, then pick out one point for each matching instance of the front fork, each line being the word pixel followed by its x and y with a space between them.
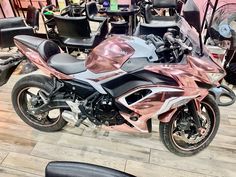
pixel 193 107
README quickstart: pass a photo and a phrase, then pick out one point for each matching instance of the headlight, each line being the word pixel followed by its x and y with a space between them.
pixel 215 77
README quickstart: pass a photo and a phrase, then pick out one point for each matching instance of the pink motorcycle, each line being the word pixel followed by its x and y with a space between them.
pixel 123 84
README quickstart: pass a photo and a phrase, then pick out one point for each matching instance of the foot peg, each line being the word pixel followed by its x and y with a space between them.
pixel 72 118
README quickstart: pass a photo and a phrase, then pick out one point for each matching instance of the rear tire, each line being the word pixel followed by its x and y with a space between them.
pixel 167 133
pixel 21 105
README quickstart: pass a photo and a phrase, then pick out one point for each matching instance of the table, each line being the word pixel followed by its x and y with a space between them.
pixel 130 12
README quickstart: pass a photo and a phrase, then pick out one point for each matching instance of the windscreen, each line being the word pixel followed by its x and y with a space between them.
pixel 190 34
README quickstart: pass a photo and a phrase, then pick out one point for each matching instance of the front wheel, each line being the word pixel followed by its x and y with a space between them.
pixel 26 97
pixel 181 135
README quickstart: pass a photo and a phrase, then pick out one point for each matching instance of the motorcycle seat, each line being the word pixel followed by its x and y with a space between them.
pixel 45 48
pixel 66 64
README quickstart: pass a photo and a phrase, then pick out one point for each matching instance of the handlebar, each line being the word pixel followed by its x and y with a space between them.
pixel 169 46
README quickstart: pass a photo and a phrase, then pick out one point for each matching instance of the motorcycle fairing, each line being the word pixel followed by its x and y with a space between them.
pixel 119 81
pixel 101 80
pixel 173 87
pixel 164 96
pixel 96 80
pixel 161 102
pixel 135 79
pixel 168 106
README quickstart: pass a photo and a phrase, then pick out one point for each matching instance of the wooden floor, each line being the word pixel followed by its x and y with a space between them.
pixel 25 152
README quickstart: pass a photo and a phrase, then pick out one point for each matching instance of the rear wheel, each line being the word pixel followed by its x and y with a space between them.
pixel 181 135
pixel 26 97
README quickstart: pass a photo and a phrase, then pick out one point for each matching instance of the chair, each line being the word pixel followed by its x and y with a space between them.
pixel 78 169
pixel 92 12
pixel 47 15
pixel 48 19
pixel 75 32
pixel 149 18
pixel 158 25
pixel 72 10
pixel 119 27
pixel 10 27
pixel 153 28
pixel 32 17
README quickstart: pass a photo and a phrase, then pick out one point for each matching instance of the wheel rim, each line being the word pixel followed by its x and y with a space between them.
pixel 190 138
pixel 27 99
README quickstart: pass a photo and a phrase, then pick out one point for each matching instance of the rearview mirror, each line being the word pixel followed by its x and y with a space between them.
pixel 192 16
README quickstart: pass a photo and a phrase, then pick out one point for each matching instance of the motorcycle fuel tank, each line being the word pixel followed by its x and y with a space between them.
pixel 109 55
pixel 112 53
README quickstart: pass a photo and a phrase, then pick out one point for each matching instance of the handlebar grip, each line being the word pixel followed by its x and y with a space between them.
pixel 169 37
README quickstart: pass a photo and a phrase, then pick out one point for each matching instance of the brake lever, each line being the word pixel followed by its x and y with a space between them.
pixel 162 49
pixel 183 46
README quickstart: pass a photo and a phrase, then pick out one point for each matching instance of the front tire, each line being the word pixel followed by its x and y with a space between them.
pixel 25 97
pixel 179 141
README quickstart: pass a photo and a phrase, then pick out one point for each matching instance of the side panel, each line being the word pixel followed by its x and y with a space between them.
pixel 124 84
pixel 80 88
pixel 96 80
pixel 134 80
